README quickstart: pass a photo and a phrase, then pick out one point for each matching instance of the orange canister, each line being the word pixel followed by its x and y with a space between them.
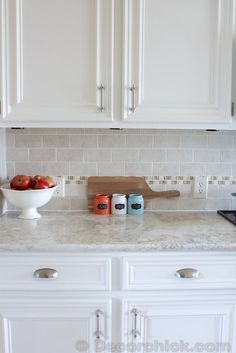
pixel 102 204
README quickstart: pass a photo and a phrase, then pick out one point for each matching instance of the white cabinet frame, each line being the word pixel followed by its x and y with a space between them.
pixel 218 107
pixel 13 107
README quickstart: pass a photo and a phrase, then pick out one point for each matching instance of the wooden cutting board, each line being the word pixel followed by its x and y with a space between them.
pixel 124 185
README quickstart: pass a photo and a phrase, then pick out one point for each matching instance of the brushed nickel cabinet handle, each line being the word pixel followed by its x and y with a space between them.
pixel 98 332
pixel 135 332
pixel 187 273
pixel 101 88
pixel 132 89
pixel 46 273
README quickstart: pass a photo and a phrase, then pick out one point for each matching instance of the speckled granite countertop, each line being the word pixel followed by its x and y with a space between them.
pixel 77 232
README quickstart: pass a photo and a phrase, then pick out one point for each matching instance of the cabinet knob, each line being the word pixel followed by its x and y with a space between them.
pixel 46 273
pixel 187 273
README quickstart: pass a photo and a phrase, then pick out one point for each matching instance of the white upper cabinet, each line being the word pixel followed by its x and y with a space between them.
pixel 177 61
pixel 57 60
pixel 61 63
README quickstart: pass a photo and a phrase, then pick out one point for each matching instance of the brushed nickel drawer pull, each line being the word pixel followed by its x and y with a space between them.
pixel 187 273
pixel 46 273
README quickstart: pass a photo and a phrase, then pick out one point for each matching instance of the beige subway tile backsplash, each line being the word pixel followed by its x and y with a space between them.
pixel 78 204
pixel 29 168
pixel 111 169
pixel 221 142
pixel 11 168
pixel 219 169
pixel 166 169
pixel 138 169
pixel 10 142
pixel 81 168
pixel 23 141
pixel 179 155
pixel 162 141
pixel 70 154
pixel 193 142
pixel 204 155
pixel 125 155
pixel 233 169
pixel 83 141
pixel 111 141
pixel 56 168
pixel 137 141
pixel 152 155
pixel 58 204
pixel 97 155
pixel 228 156
pixel 45 154
pixel 17 154
pixel 68 131
pixel 56 141
pixel 193 169
pixel 171 158
pixel 41 131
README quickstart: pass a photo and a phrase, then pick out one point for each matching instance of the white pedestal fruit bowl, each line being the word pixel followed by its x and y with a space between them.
pixel 28 200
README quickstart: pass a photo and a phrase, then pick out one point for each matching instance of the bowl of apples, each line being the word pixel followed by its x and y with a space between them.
pixel 28 193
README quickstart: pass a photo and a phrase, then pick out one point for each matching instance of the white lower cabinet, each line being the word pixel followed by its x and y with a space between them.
pixel 168 326
pixel 53 326
pixel 159 302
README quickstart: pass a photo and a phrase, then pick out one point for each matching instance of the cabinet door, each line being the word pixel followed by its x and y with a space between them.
pixel 178 327
pixel 54 326
pixel 57 60
pixel 177 60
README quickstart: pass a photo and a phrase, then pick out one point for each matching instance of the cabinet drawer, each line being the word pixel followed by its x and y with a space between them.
pixel 160 272
pixel 70 272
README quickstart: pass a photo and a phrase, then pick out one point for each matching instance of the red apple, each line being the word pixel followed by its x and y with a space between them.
pixel 20 182
pixel 39 184
pixel 34 179
pixel 49 180
pixel 38 177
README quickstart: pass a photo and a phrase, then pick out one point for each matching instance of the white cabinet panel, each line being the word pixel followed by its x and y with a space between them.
pixel 168 324
pixel 56 55
pixel 73 273
pixel 53 326
pixel 178 55
pixel 154 273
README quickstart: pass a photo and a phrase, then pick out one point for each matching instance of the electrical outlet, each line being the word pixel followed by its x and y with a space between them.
pixel 200 187
pixel 60 191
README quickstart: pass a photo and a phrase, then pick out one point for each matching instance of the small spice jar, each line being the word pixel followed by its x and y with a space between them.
pixel 102 204
pixel 135 204
pixel 119 204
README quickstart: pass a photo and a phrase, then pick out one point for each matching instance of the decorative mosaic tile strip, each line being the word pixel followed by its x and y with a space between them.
pixel 161 180
pixel 165 180
pixel 169 180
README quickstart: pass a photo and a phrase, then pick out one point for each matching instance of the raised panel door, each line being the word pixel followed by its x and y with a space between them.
pixel 53 326
pixel 177 61
pixel 178 327
pixel 57 60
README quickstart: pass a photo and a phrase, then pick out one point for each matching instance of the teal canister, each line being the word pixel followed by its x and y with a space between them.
pixel 135 204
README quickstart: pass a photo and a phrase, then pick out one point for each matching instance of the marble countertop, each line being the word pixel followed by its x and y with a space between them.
pixel 81 232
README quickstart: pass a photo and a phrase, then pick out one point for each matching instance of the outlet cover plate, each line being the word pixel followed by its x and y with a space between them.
pixel 60 191
pixel 200 184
